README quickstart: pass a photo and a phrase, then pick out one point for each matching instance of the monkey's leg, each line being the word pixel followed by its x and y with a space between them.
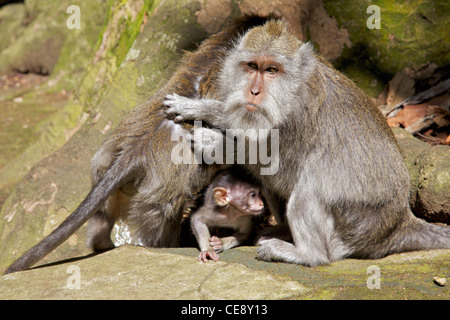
pixel 275 205
pixel 225 243
pixel 155 224
pixel 99 231
pixel 241 235
pixel 102 222
pixel 312 230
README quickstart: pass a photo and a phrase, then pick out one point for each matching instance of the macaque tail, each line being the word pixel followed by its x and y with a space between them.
pixel 417 234
pixel 112 179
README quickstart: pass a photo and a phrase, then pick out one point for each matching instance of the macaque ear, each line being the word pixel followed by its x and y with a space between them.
pixel 221 196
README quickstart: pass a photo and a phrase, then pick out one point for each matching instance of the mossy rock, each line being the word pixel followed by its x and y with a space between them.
pixel 433 193
pixel 429 168
pixel 131 272
pixel 116 73
pixel 411 34
pixel 56 181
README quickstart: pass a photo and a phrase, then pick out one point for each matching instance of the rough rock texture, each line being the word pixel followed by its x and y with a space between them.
pixel 56 166
pixel 429 168
pixel 138 273
pixel 157 275
pixel 411 35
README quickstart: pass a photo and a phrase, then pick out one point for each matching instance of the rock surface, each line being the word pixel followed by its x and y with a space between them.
pixel 124 52
pixel 130 272
pixel 429 168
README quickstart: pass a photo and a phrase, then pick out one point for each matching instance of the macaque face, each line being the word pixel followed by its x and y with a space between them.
pixel 248 199
pixel 261 72
pixel 256 89
pixel 245 197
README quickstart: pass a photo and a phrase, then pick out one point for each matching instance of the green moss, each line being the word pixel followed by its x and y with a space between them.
pixel 79 45
pixel 125 19
pixel 412 33
pixel 75 68
pixel 10 23
pixel 402 276
pixel 364 79
pixel 51 139
pixel 107 87
pixel 132 28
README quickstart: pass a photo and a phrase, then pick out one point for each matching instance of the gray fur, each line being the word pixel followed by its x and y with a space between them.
pixel 341 171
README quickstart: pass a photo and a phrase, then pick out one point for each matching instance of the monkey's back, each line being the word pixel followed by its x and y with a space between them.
pixel 160 188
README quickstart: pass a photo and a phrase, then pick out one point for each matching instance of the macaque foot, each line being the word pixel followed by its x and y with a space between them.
pixel 270 249
pixel 204 255
pixel 101 247
pixel 279 250
pixel 216 244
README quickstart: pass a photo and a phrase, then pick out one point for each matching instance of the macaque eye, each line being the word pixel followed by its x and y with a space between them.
pixel 272 69
pixel 252 65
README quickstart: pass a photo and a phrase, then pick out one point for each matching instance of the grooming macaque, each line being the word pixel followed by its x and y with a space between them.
pixel 230 202
pixel 340 169
pixel 132 175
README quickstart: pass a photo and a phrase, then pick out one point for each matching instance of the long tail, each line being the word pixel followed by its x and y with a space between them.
pixel 417 234
pixel 113 178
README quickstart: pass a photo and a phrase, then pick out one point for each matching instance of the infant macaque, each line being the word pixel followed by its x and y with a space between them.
pixel 230 202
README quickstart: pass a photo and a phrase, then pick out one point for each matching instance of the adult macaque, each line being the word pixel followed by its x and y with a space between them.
pixel 133 177
pixel 340 168
pixel 230 202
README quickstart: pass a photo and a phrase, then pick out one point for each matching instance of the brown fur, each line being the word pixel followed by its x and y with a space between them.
pixel 133 167
pixel 276 38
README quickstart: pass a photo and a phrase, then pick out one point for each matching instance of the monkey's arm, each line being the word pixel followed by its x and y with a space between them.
pixel 184 108
pixel 242 234
pixel 225 243
pixel 202 235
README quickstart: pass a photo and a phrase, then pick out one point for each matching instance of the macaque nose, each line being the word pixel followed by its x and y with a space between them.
pixel 254 92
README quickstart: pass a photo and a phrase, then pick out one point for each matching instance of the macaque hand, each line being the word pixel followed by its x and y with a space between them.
pixel 182 108
pixel 216 243
pixel 204 255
